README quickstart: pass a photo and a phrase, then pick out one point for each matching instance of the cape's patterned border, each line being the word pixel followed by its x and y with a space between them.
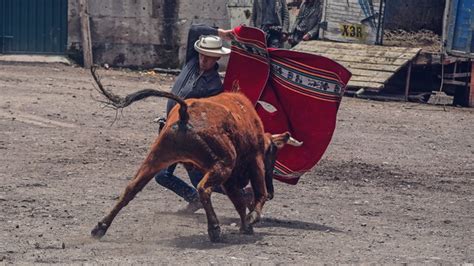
pixel 251 50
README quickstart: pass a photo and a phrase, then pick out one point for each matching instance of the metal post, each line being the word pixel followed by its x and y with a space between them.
pixel 455 69
pixel 379 35
pixel 2 23
pixel 471 86
pixel 407 84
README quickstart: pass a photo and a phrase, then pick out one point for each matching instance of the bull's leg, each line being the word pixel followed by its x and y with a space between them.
pixel 146 172
pixel 236 196
pixel 215 177
pixel 257 180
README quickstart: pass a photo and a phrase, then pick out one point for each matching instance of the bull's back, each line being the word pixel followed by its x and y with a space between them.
pixel 227 123
pixel 228 109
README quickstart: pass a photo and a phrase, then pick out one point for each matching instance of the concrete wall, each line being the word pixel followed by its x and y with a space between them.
pixel 142 33
pixel 152 33
pixel 414 15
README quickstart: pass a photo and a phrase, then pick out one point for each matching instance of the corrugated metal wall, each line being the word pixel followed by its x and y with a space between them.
pixel 33 26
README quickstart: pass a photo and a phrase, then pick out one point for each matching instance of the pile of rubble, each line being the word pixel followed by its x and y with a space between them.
pixel 425 39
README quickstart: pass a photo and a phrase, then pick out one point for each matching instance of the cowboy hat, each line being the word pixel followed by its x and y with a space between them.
pixel 211 45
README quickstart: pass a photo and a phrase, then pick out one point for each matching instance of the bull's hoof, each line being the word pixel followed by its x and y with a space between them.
pixel 252 218
pixel 99 230
pixel 215 234
pixel 270 196
pixel 246 230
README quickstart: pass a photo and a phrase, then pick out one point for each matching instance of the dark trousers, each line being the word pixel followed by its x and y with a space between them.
pixel 167 179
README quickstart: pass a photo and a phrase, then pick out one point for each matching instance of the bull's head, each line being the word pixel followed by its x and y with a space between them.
pixel 273 143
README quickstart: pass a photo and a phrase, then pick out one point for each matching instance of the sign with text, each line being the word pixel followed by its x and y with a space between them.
pixel 357 31
pixel 357 21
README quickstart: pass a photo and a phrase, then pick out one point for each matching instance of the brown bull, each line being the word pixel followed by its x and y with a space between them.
pixel 223 137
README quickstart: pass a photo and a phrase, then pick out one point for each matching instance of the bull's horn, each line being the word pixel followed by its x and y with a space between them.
pixel 294 142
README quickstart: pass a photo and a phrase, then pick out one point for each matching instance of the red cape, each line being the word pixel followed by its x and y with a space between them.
pixel 305 89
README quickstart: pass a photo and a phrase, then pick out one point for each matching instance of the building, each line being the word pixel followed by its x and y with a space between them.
pixel 138 33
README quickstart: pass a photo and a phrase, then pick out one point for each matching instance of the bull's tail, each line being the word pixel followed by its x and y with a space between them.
pixel 118 102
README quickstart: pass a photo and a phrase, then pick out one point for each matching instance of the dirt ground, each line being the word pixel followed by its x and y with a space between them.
pixel 425 39
pixel 396 184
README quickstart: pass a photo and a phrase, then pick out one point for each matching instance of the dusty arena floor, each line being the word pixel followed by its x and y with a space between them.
pixel 396 184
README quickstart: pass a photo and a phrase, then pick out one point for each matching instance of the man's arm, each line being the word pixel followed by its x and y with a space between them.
pixel 313 32
pixel 194 33
pixel 253 17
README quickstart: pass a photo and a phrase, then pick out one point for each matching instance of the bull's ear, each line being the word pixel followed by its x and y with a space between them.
pixel 235 85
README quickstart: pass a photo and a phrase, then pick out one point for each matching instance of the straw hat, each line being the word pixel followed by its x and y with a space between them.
pixel 211 45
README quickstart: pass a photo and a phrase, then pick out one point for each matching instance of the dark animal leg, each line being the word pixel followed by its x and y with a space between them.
pixel 270 158
pixel 237 198
pixel 257 180
pixel 146 172
pixel 205 187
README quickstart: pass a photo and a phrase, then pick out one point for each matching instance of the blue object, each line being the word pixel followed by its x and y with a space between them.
pixel 167 179
pixel 33 26
pixel 460 41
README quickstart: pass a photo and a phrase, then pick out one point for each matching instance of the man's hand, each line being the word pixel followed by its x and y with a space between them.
pixel 226 35
pixel 284 37
pixel 291 41
pixel 306 37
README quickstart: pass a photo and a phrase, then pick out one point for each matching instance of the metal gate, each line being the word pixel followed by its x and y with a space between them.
pixel 33 26
pixel 460 27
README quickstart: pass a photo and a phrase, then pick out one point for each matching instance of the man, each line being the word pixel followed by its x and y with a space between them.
pixel 198 79
pixel 306 25
pixel 273 18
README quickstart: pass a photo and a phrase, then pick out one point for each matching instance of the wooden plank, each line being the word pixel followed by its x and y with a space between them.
pixel 341 17
pixel 85 33
pixel 371 73
pixel 376 62
pixel 457 75
pixel 366 52
pixel 362 84
pixel 368 60
pixel 382 60
pixel 341 57
pixel 361 66
pixel 381 80
pixel 357 46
